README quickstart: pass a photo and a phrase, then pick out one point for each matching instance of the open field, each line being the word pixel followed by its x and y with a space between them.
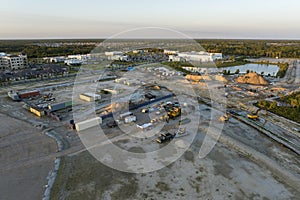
pixel 20 142
pixel 244 164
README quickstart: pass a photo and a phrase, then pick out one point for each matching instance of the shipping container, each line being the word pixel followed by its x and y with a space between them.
pixel 59 106
pixel 68 104
pixel 88 123
pixel 55 107
pixel 28 94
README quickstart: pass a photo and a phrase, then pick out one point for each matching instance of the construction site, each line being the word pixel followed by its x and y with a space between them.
pixel 142 111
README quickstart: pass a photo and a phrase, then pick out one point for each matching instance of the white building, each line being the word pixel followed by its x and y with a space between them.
pixel 195 56
pixel 170 52
pixel 55 59
pixel 80 57
pixel 116 55
pixel 13 62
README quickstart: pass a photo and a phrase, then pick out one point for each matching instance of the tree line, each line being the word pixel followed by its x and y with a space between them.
pixel 254 48
pixel 289 109
pixel 243 48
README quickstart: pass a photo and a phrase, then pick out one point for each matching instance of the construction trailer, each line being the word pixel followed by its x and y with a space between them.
pixel 90 97
pixel 124 115
pixel 83 125
pixel 146 126
pixel 110 91
pixel 129 119
pixel 37 112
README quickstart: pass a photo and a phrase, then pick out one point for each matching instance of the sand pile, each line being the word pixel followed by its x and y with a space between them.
pixel 197 78
pixel 252 78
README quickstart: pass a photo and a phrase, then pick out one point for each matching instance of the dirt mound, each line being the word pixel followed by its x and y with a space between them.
pixel 197 78
pixel 252 78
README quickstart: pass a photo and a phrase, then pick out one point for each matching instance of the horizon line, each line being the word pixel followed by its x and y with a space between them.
pixel 140 38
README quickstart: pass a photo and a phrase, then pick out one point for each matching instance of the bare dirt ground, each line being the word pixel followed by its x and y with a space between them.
pixel 233 170
pixel 20 142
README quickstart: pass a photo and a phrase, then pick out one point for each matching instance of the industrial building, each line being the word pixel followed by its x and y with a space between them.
pixel 90 97
pixel 84 57
pixel 13 62
pixel 195 56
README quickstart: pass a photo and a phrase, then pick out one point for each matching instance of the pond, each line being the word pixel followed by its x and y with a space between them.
pixel 258 68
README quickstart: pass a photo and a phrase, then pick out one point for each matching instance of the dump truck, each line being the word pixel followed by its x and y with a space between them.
pixel 165 137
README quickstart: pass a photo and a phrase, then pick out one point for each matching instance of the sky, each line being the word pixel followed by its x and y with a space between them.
pixel 221 19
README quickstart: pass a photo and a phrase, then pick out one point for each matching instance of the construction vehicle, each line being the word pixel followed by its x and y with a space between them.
pixel 181 132
pixel 165 137
pixel 253 116
pixel 224 118
pixel 174 112
pixel 112 124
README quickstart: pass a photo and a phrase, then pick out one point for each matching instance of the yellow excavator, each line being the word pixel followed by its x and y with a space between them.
pixel 254 116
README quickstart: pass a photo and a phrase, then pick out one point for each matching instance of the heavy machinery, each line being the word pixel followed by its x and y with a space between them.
pixel 112 124
pixel 165 137
pixel 253 116
pixel 174 112
pixel 224 118
pixel 181 132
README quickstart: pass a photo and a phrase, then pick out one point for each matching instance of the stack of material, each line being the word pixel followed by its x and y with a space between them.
pixel 252 78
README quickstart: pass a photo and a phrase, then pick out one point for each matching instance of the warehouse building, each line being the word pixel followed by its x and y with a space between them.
pixel 196 56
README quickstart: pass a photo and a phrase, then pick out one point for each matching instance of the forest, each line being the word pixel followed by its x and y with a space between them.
pixel 289 106
pixel 238 48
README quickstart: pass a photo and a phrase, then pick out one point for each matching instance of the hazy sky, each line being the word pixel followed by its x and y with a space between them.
pixel 196 18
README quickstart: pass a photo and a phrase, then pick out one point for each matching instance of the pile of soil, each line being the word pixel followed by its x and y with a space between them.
pixel 252 78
